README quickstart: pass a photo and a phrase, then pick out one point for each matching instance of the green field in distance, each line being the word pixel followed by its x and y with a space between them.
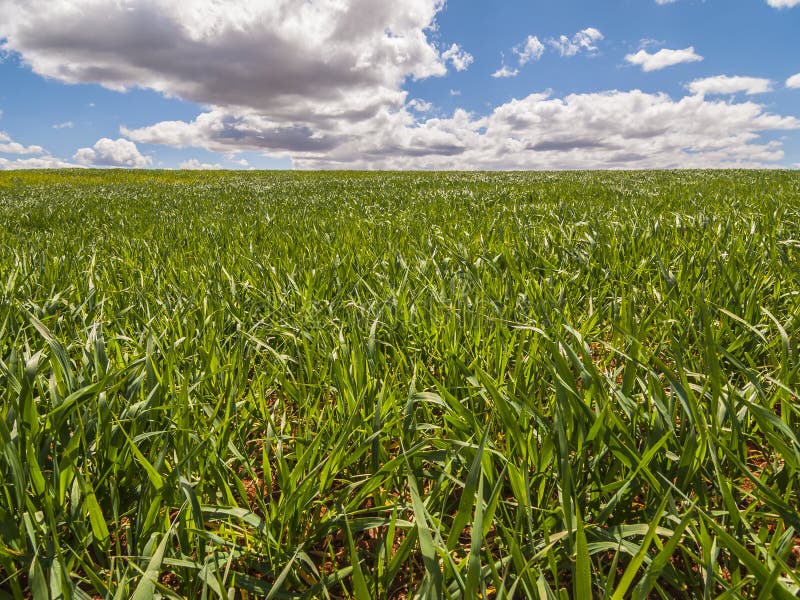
pixel 397 385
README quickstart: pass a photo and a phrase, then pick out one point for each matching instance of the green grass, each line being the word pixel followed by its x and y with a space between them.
pixel 300 385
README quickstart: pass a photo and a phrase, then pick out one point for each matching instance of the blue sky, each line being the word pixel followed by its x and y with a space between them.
pixel 518 84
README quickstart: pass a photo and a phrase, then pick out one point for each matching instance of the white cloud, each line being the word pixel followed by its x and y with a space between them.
pixel 505 71
pixel 65 125
pixel 41 159
pixel 793 82
pixel 322 83
pixel 583 41
pixel 724 85
pixel 9 146
pixel 113 153
pixel 649 43
pixel 39 162
pixel 195 165
pixel 455 92
pixel 223 131
pixel 531 49
pixel 665 1
pixel 603 130
pixel 421 106
pixel 458 57
pixel 342 60
pixel 663 58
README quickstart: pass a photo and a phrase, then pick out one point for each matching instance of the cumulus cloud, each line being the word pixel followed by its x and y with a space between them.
pixel 793 82
pixel 39 162
pixel 531 49
pixel 505 71
pixel 9 146
pixel 420 105
pixel 222 131
pixel 195 165
pixel 323 84
pixel 583 41
pixel 614 129
pixel 724 85
pixel 288 60
pixel 112 153
pixel 458 57
pixel 663 58
pixel 39 158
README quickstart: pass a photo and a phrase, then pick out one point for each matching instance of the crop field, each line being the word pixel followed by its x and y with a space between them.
pixel 399 385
